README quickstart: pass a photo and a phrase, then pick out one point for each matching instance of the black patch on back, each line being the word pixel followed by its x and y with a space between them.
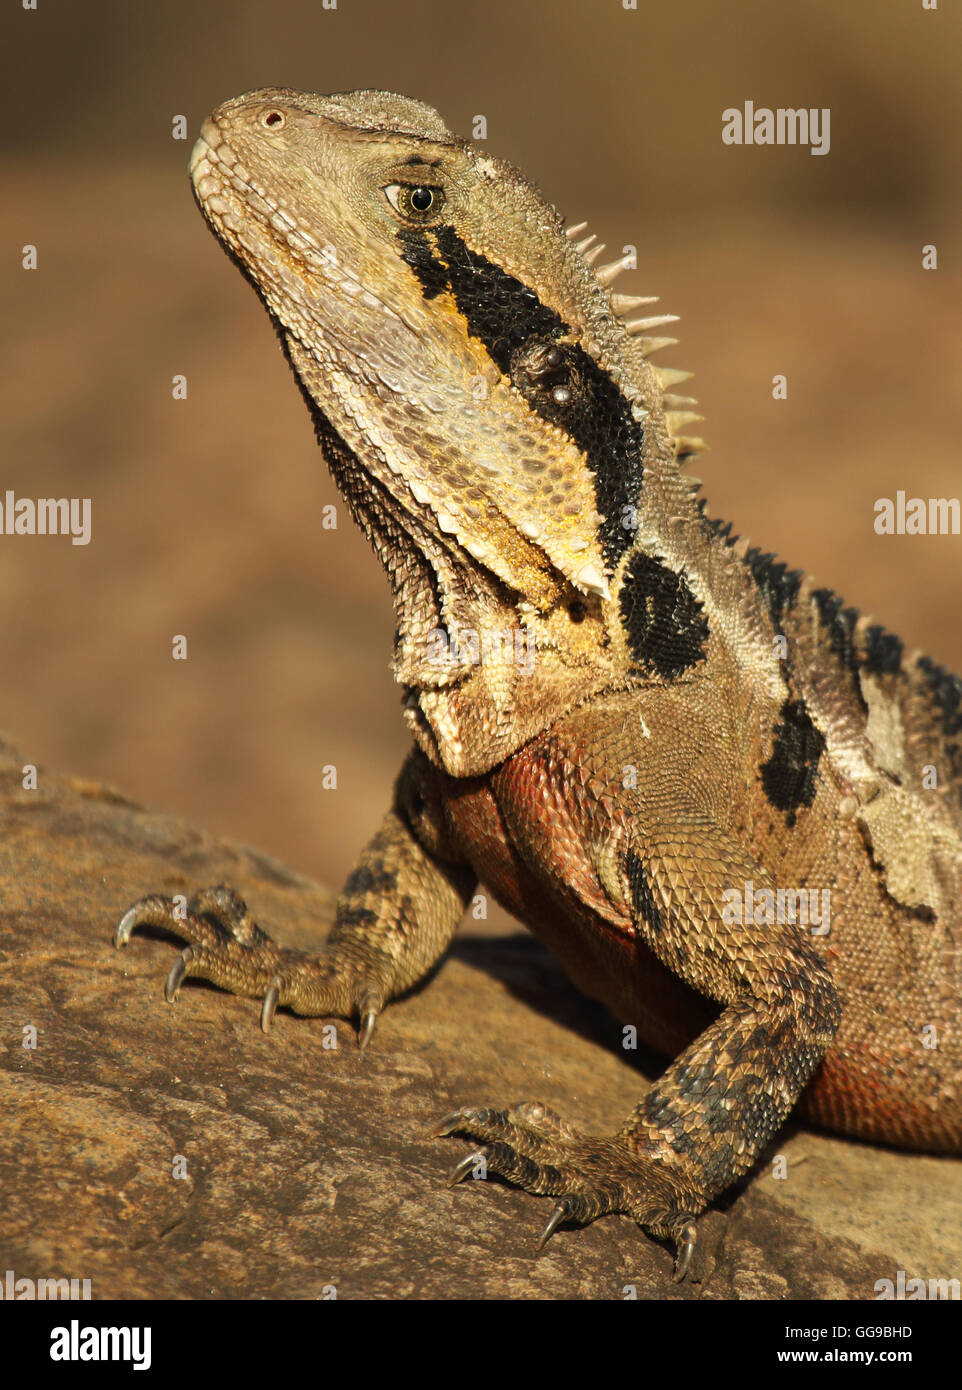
pixel 946 691
pixel 790 773
pixel 839 624
pixel 642 898
pixel 515 327
pixel 665 623
pixel 883 652
pixel 777 584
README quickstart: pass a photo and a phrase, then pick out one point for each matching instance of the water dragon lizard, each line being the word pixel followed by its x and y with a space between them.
pixel 697 722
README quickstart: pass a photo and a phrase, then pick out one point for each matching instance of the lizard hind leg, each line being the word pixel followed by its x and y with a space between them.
pixel 663 869
pixel 533 1148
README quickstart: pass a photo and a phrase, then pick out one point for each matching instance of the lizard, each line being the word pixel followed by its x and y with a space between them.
pixel 700 737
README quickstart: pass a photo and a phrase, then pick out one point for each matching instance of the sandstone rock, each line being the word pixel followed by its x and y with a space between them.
pixel 179 1152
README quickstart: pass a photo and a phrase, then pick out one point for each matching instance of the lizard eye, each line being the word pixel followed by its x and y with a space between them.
pixel 418 203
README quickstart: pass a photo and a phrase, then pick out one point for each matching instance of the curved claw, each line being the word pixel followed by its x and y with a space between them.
pixel 686 1248
pixel 126 925
pixel 467 1165
pixel 446 1126
pixel 269 1007
pixel 557 1216
pixel 367 1028
pixel 177 976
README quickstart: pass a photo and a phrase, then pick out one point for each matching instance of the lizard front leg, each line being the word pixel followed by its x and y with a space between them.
pixel 394 920
pixel 638 863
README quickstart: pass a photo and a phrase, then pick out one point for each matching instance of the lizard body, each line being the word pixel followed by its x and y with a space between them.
pixel 627 723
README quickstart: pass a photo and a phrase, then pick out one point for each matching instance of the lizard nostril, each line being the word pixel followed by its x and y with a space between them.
pixel 273 119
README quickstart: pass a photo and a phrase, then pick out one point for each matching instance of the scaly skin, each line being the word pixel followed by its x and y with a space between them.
pixel 649 715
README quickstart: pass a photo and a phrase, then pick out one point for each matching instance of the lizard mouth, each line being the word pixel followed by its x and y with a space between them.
pixel 310 296
pixel 246 216
pixel 306 285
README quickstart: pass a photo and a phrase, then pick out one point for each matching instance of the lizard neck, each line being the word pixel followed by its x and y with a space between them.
pixel 475 661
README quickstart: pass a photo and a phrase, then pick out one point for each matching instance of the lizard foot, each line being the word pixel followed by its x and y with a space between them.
pixel 226 946
pixel 532 1147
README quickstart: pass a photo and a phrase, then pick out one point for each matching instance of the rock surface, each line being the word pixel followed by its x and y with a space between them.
pixel 179 1152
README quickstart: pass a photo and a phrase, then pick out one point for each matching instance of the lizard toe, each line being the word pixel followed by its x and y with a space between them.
pixel 532 1148
pixel 226 946
pixel 527 1128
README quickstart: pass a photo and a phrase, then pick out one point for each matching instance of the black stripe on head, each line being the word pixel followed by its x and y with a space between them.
pixel 560 381
pixel 500 311
pixel 584 402
pixel 665 623
pixel 421 257
pixel 789 776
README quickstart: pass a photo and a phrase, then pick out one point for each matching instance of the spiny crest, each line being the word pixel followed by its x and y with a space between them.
pixel 680 411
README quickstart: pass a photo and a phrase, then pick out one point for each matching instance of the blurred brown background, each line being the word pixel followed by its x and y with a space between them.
pixel 206 513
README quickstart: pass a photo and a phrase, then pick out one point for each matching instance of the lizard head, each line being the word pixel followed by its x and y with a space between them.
pixel 488 413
